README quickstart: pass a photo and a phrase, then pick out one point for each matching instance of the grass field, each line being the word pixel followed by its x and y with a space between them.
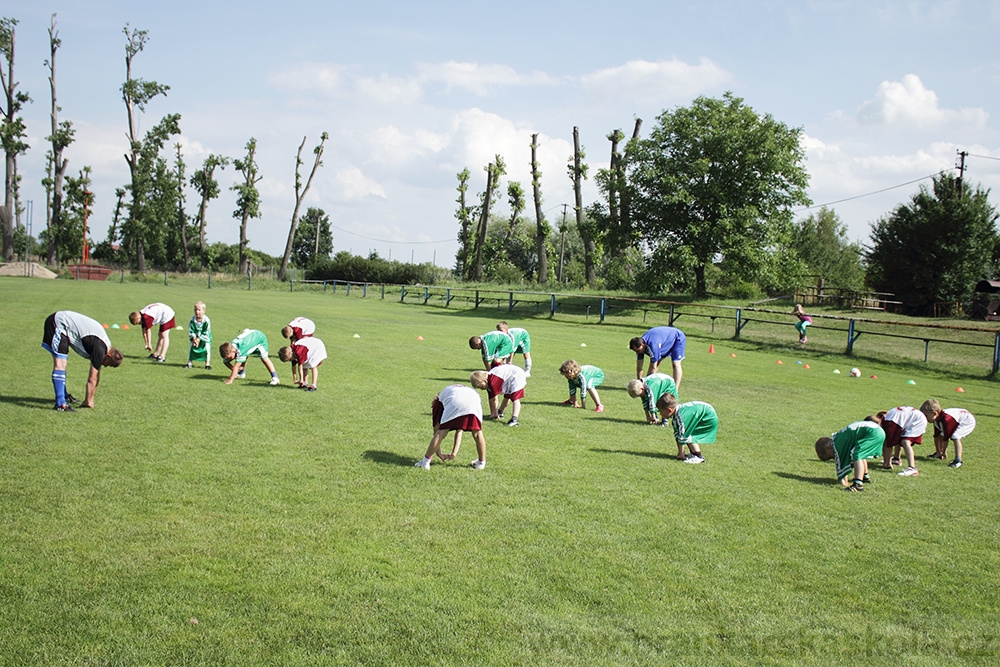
pixel 184 522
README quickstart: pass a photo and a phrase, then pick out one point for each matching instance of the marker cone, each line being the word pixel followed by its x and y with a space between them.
pixel 711 348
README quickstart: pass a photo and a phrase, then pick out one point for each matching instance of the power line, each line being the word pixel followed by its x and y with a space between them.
pixel 869 194
pixel 985 157
pixel 369 238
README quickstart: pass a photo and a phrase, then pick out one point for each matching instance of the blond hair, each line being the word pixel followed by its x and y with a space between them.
pixel 570 368
pixel 667 403
pixel 502 326
pixel 285 354
pixel 134 317
pixel 286 331
pixel 634 388
pixel 931 409
pixel 478 379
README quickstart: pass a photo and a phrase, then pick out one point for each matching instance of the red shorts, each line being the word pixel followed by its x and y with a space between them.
pixel 894 435
pixel 167 326
pixel 463 423
pixel 516 396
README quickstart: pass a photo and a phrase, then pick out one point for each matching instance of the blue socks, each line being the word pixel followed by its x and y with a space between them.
pixel 59 384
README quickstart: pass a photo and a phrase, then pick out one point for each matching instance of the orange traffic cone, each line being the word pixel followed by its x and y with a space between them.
pixel 711 348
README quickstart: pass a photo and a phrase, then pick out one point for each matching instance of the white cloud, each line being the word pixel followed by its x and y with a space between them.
pixel 908 103
pixel 326 78
pixel 642 80
pixel 479 79
pixel 355 185
pixel 393 146
pixel 389 90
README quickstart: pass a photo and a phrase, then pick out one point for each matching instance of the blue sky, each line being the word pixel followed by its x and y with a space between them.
pixel 413 92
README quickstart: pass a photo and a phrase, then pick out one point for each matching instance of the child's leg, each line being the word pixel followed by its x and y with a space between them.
pixel 269 366
pixel 958 448
pixel 208 355
pixel 694 449
pixel 480 444
pixel 594 395
pixel 908 448
pixel 315 376
pixel 503 403
pixel 516 410
pixel 886 453
pixel 435 445
pixel 164 342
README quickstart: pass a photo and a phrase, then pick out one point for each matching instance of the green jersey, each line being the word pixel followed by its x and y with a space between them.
pixel 522 341
pixel 695 423
pixel 656 386
pixel 496 345
pixel 248 343
pixel 590 377
pixel 203 332
pixel 856 442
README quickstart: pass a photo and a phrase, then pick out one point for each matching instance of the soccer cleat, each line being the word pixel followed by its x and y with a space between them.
pixel 70 399
pixel 500 415
pixel 895 462
pixel 424 464
pixel 856 487
pixel 207 367
pixel 275 381
pixel 65 407
pixel 478 465
pixel 694 458
pixel 866 479
pixel 188 365
pixel 513 422
pixel 160 360
pixel 957 463
pixel 310 388
pixel 151 356
pixel 599 408
pixel 909 472
pixel 241 375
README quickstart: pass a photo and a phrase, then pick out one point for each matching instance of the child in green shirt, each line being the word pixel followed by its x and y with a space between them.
pixel 200 334
pixel 695 423
pixel 584 378
pixel 250 342
pixel 650 389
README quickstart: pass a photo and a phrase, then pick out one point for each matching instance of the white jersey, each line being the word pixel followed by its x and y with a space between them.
pixel 160 312
pixel 514 378
pixel 303 326
pixel 459 400
pixel 912 421
pixel 315 352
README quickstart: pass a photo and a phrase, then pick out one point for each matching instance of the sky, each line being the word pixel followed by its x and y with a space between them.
pixel 411 93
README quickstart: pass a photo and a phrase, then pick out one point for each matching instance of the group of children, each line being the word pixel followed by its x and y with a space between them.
pixel 305 352
pixel 694 423
pixel 891 433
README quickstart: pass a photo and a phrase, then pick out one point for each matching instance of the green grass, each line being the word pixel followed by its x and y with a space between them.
pixel 294 528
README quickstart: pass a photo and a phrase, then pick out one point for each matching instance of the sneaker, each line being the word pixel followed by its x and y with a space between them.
pixel 478 465
pixel 310 388
pixel 599 408
pixel 896 462
pixel 500 415
pixel 866 479
pixel 275 381
pixel 241 375
pixel 694 458
pixel 160 360
pixel 207 367
pixel 424 464
pixel 957 463
pixel 188 365
pixel 909 472
pixel 527 374
pixel 513 422
pixel 856 487
pixel 71 400
pixel 151 356
pixel 65 407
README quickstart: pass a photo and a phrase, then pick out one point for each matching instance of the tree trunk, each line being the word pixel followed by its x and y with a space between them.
pixel 589 246
pixel 140 256
pixel 701 289
pixel 536 188
pixel 484 218
pixel 243 243
pixel 625 199
pixel 299 196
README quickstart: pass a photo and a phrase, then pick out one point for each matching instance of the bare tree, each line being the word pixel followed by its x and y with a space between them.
pixel 541 227
pixel 12 134
pixel 300 194
pixel 61 137
pixel 578 172
pixel 624 193
pixel 181 215
pixel 494 171
pixel 247 197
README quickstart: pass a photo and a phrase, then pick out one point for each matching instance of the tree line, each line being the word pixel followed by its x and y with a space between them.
pixel 706 204
pixel 150 222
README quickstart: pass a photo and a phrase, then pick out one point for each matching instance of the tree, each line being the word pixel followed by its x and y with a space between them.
pixel 588 232
pixel 719 180
pixel 821 242
pixel 542 229
pixel 69 234
pixel 935 248
pixel 60 139
pixel 313 240
pixel 136 93
pixel 494 171
pixel 464 214
pixel 515 199
pixel 204 183
pixel 247 197
pixel 300 193
pixel 182 219
pixel 12 135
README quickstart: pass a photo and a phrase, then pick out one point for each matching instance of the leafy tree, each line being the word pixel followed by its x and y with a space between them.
pixel 464 214
pixel 542 228
pixel 719 180
pixel 935 248
pixel 12 135
pixel 178 251
pixel 136 93
pixel 515 199
pixel 204 183
pixel 313 239
pixel 60 138
pixel 247 197
pixel 589 230
pixel 821 242
pixel 300 193
pixel 494 171
pixel 69 234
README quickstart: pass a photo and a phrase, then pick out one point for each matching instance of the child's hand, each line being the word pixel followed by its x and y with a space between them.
pixel 446 457
pixel 228 381
pixel 579 405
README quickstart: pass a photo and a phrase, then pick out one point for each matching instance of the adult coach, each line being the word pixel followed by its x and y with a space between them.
pixel 659 343
pixel 66 329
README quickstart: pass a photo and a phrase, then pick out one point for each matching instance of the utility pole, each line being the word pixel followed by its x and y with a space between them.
pixel 961 170
pixel 562 243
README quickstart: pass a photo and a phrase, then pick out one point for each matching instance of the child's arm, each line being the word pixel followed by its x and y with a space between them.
pixel 145 338
pixel 235 368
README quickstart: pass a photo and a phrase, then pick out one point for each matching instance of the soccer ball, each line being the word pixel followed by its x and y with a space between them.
pixel 855 372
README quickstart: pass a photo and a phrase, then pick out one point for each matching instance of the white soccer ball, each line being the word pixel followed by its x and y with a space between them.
pixel 855 372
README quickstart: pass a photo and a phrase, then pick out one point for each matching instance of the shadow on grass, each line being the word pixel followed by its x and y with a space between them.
pixel 453 379
pixel 648 455
pixel 29 402
pixel 822 481
pixel 388 458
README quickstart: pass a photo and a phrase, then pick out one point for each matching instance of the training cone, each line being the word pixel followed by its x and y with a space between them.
pixel 105 326
pixel 732 354
pixel 357 335
pixel 874 377
pixel 780 362
pixel 583 345
pixel 837 371
pixel 124 326
pixel 420 337
pixel 178 327
pixel 910 382
pixel 798 363
pixel 805 366
pixel 711 349
pixel 959 390
pixel 115 326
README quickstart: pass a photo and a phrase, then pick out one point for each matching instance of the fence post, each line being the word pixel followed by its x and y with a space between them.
pixel 552 306
pixel 209 281
pixel 334 286
pixel 383 290
pixel 402 293
pixel 927 349
pixel 850 337
pixel 447 297
pixel 477 300
pixel 510 307
pixel 996 354
pixel 164 276
pixel 603 309
pixel 291 285
pixel 249 279
pixel 427 295
pixel 739 321
pixel 671 322
pixel 364 291
pixel 123 278
pixel 348 288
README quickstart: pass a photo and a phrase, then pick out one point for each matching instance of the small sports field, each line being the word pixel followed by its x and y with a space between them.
pixel 184 522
